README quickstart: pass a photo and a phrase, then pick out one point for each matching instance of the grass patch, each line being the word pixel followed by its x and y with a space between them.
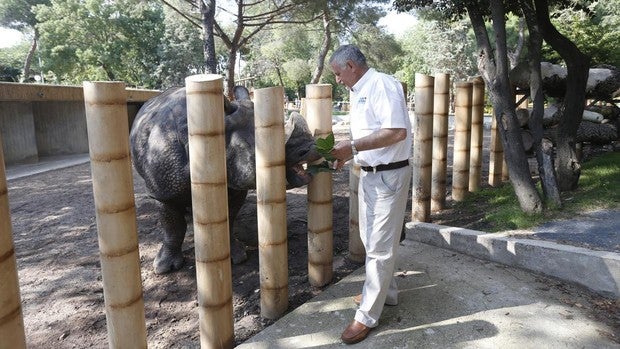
pixel 598 189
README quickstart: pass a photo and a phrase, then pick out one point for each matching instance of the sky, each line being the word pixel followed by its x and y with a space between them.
pixel 396 23
pixel 9 37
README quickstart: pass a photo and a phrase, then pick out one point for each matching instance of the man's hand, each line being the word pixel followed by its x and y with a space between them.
pixel 342 152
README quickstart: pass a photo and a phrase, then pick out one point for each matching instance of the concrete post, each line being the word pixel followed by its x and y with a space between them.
pixel 441 110
pixel 462 118
pixel 108 139
pixel 320 198
pixel 11 318
pixel 207 149
pixel 271 201
pixel 422 148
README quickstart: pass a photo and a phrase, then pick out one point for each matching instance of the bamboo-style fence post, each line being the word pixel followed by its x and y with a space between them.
pixel 302 107
pixel 110 162
pixel 441 110
pixel 11 318
pixel 462 120
pixel 477 134
pixel 271 201
pixel 357 252
pixel 422 148
pixel 496 155
pixel 505 173
pixel 207 154
pixel 320 200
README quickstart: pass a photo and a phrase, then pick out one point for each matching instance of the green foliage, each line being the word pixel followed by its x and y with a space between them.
pixel 324 146
pixel 180 51
pixel 107 41
pixel 594 31
pixel 600 178
pixel 17 14
pixel 381 49
pixel 434 47
pixel 11 61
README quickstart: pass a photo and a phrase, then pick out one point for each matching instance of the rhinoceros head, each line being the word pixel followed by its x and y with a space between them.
pixel 299 148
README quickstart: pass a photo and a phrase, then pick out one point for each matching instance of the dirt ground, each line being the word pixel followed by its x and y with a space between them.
pixel 56 244
pixel 55 237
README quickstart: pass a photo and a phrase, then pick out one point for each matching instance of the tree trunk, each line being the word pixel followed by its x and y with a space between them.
pixel 230 78
pixel 504 107
pixel 207 8
pixel 29 56
pixel 325 46
pixel 543 148
pixel 568 166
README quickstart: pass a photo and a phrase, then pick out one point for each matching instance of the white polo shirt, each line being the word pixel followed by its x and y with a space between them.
pixel 378 101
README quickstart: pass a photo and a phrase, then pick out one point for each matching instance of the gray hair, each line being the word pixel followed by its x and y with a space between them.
pixel 346 53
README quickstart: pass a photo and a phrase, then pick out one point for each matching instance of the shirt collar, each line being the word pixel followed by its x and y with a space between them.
pixel 358 85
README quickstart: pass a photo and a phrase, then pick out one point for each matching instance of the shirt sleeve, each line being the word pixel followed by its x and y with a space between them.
pixel 389 102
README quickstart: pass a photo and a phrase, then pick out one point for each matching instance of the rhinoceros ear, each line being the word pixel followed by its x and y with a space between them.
pixel 241 93
pixel 229 107
pixel 295 124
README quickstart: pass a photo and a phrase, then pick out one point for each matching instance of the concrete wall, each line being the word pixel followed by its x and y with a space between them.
pixel 17 132
pixel 39 120
pixel 60 128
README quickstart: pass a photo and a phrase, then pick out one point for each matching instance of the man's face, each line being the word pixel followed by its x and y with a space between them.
pixel 346 75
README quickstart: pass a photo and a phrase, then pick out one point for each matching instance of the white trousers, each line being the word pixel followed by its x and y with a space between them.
pixel 382 202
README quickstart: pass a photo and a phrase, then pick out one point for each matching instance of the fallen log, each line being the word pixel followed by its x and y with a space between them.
pixel 589 132
pixel 603 81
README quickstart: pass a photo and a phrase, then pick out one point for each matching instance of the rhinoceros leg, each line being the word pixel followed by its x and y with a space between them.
pixel 173 224
pixel 236 198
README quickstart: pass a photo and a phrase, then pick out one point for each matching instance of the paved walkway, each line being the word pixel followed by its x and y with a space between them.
pixel 448 300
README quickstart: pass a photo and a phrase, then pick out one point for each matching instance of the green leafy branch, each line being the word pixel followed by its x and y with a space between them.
pixel 324 146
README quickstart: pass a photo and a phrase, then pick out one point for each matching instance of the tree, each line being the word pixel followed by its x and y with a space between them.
pixel 11 61
pixel 577 63
pixel 207 8
pixel 17 14
pixel 593 29
pixel 108 40
pixel 339 17
pixel 493 66
pixel 181 51
pixel 269 53
pixel 432 46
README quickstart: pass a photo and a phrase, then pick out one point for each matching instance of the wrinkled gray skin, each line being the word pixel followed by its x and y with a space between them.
pixel 160 153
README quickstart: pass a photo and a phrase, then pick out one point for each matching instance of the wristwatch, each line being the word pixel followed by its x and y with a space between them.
pixel 353 148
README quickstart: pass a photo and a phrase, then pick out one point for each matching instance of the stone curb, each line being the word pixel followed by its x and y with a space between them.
pixel 598 271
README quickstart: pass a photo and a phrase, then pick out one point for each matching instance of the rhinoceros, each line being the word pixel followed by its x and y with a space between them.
pixel 159 150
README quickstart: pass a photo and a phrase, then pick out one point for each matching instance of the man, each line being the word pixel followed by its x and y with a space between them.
pixel 381 144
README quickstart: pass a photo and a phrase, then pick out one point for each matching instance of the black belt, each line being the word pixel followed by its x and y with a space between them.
pixel 390 166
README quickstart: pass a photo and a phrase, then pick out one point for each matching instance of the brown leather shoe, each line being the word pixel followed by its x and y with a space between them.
pixel 355 333
pixel 358 300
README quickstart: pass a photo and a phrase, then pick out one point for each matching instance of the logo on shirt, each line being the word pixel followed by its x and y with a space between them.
pixel 361 100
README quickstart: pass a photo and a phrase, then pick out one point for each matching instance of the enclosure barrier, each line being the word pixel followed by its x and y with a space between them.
pixel 422 148
pixel 271 201
pixel 318 108
pixel 441 110
pixel 40 120
pixel 108 138
pixel 462 137
pixel 207 149
pixel 477 120
pixel 11 318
